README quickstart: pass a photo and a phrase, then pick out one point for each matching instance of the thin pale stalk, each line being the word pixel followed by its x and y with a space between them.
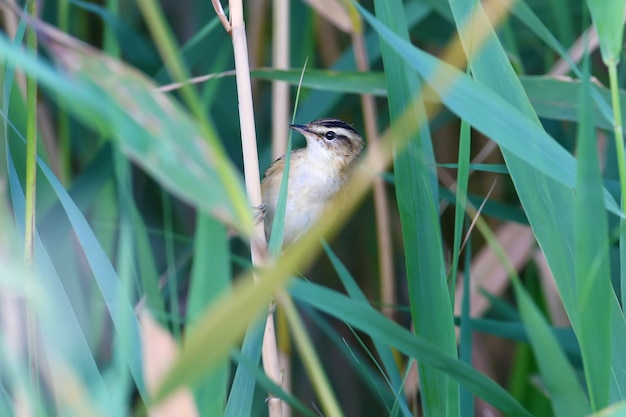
pixel 383 227
pixel 280 89
pixel 311 362
pixel 280 135
pixel 252 176
pixel 621 164
pixel 31 178
pixel 219 11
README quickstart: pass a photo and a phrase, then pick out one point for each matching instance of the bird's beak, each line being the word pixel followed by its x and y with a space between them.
pixel 300 128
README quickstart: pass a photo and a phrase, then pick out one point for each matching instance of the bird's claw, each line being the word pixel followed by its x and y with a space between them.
pixel 260 213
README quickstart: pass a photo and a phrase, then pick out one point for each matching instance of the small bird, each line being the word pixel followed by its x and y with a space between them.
pixel 316 175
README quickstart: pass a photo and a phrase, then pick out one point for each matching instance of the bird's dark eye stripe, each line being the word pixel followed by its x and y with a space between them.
pixel 334 123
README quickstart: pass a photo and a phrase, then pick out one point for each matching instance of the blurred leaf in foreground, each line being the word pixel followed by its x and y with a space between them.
pixel 149 127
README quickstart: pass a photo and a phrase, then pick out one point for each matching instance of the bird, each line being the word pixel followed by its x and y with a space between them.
pixel 317 174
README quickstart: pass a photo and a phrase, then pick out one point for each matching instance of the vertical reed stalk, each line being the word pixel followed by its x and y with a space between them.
pixel 621 164
pixel 31 178
pixel 280 89
pixel 280 119
pixel 383 227
pixel 253 181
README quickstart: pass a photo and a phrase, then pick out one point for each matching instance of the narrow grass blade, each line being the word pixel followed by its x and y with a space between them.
pixel 558 375
pixel 310 359
pixel 466 332
pixel 386 356
pixel 121 311
pixel 84 190
pixel 608 19
pixel 417 196
pixel 593 274
pixel 252 368
pixel 242 390
pixel 515 330
pixel 145 260
pixel 210 276
pixel 60 327
pixel 374 376
pixel 564 27
pixel 278 221
pixel 365 318
pixel 462 180
pixel 493 168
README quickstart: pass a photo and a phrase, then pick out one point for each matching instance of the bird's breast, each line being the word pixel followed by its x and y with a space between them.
pixel 312 185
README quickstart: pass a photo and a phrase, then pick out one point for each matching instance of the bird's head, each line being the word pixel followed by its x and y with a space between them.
pixel 331 140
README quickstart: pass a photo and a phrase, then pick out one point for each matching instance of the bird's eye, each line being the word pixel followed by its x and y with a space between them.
pixel 330 135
